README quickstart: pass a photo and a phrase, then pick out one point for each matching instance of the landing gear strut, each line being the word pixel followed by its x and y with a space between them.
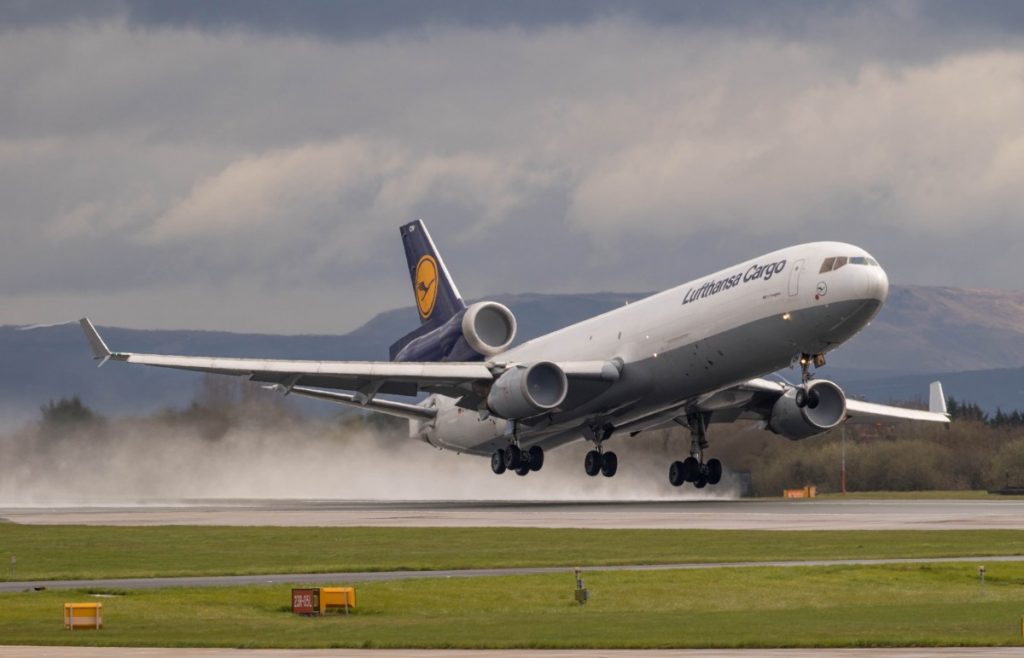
pixel 805 365
pixel 693 468
pixel 597 460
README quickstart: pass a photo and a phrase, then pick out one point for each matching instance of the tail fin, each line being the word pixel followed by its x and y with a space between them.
pixel 437 298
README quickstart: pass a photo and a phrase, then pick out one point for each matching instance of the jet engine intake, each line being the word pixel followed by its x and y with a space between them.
pixel 808 410
pixel 488 327
pixel 525 391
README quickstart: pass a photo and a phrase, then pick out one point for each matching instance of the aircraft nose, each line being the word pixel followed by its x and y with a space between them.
pixel 878 286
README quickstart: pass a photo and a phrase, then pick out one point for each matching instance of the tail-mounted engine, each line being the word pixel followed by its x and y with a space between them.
pixel 524 391
pixel 479 331
pixel 489 327
pixel 808 410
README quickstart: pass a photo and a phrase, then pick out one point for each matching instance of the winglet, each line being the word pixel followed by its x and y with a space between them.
pixel 936 399
pixel 100 351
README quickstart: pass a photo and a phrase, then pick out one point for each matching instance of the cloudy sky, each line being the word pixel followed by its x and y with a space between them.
pixel 245 165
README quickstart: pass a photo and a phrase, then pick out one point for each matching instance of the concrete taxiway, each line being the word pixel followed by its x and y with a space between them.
pixel 831 514
pixel 377 576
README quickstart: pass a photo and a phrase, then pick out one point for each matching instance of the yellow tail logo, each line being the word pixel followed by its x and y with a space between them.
pixel 426 286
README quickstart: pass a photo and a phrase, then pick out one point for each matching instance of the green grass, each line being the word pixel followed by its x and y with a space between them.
pixel 829 606
pixel 59 552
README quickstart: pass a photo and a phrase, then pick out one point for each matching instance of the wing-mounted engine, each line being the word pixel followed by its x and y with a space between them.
pixel 479 331
pixel 808 410
pixel 528 390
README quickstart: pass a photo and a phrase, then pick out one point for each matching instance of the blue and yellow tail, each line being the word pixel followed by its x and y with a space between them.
pixel 437 298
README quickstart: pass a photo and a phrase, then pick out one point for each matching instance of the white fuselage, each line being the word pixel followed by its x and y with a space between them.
pixel 684 344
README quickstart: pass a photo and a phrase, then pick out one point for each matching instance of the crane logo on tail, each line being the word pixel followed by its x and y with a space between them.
pixel 426 286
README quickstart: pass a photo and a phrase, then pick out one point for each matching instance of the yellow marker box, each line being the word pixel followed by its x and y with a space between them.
pixel 83 615
pixel 334 599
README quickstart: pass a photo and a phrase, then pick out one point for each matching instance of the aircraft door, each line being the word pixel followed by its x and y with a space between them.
pixel 794 278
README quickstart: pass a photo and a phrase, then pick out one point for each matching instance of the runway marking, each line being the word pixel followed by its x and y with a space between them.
pixel 377 576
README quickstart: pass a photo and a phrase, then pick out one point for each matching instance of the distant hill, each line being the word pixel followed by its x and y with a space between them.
pixel 920 332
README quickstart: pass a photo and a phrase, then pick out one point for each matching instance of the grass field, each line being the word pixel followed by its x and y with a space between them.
pixel 58 552
pixel 828 606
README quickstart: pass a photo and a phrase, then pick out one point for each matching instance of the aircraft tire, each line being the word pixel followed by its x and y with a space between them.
pixel 513 458
pixel 801 398
pixel 536 458
pixel 675 474
pixel 714 471
pixel 592 463
pixel 609 464
pixel 691 469
pixel 701 482
pixel 523 469
pixel 498 462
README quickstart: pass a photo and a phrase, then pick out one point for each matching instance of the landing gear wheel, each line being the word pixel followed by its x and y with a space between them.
pixel 536 458
pixel 801 398
pixel 609 464
pixel 498 462
pixel 691 469
pixel 714 471
pixel 592 463
pixel 513 458
pixel 701 482
pixel 675 474
pixel 523 469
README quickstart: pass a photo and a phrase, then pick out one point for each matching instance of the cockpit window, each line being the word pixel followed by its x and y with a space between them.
pixel 832 264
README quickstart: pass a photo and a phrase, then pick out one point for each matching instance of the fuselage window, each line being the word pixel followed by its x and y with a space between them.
pixel 840 261
pixel 827 265
pixel 858 260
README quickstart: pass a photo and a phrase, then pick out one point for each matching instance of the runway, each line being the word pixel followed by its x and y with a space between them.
pixel 830 514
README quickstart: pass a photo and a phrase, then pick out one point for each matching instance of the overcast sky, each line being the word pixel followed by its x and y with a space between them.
pixel 245 165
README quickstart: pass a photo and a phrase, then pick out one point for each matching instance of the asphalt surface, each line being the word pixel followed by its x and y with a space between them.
pixel 830 514
pixel 368 576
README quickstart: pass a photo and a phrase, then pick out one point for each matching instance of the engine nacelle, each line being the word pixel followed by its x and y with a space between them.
pixel 488 327
pixel 808 410
pixel 525 391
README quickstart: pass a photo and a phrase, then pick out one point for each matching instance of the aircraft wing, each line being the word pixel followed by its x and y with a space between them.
pixel 364 378
pixel 754 399
pixel 764 393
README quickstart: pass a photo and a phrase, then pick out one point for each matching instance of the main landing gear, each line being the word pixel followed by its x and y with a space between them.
pixel 513 458
pixel 693 468
pixel 597 460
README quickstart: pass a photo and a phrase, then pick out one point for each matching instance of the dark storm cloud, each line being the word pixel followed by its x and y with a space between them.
pixel 244 165
pixel 369 18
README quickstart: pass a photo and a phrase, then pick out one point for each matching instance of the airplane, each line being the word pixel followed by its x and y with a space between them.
pixel 696 354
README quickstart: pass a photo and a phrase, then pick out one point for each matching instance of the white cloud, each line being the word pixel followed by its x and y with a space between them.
pixel 201 158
